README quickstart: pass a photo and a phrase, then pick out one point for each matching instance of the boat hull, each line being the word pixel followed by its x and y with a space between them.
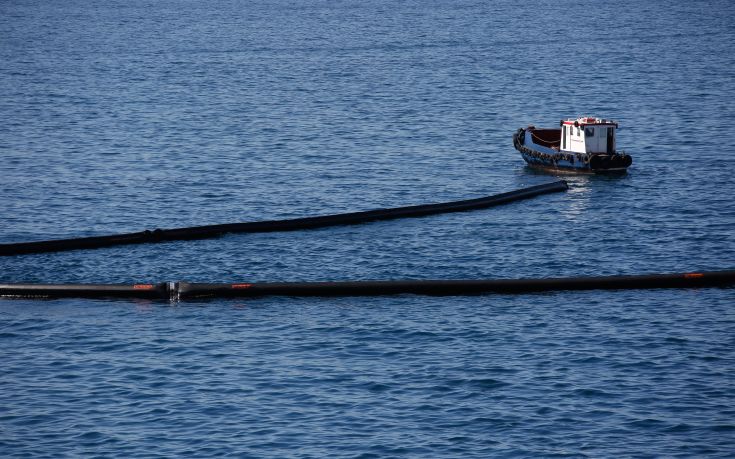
pixel 547 158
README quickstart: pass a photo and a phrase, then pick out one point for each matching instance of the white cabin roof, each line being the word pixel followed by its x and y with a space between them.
pixel 589 121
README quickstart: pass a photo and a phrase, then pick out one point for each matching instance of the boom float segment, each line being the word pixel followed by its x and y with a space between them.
pixel 456 287
pixel 143 291
pixel 210 231
pixel 185 290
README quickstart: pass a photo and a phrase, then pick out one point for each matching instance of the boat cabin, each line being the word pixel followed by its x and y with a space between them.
pixel 588 135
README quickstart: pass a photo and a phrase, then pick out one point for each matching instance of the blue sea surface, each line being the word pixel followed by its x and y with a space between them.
pixel 120 116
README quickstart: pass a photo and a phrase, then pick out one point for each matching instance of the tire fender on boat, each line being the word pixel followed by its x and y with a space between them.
pixel 520 137
pixel 596 162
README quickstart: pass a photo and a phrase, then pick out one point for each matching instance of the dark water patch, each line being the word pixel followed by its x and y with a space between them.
pixel 485 383
pixel 594 393
pixel 723 428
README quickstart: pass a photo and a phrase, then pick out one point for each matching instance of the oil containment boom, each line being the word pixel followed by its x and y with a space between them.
pixel 142 291
pixel 210 231
pixel 176 291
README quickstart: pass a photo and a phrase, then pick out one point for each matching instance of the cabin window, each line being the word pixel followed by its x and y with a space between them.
pixel 564 137
pixel 589 132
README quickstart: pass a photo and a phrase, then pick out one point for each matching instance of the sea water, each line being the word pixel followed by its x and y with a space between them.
pixel 120 116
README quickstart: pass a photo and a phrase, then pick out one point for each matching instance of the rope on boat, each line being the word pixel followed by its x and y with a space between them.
pixel 210 231
pixel 542 141
pixel 175 291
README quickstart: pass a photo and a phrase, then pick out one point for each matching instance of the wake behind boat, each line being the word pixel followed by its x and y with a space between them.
pixel 585 144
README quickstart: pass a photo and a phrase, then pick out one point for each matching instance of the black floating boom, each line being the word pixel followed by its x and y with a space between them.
pixel 143 291
pixel 209 231
pixel 183 290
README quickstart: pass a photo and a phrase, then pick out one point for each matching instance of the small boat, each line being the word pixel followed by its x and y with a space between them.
pixel 585 144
